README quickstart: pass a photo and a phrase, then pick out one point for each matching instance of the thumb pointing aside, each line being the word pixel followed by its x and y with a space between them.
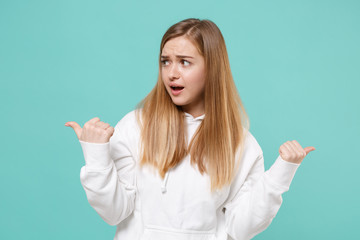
pixel 309 149
pixel 76 128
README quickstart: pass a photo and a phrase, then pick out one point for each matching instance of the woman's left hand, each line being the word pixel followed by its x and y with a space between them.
pixel 291 151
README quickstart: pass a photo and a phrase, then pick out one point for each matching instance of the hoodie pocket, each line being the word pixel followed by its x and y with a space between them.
pixel 156 233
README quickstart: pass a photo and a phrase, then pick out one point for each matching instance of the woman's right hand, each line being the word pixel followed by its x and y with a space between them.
pixel 94 131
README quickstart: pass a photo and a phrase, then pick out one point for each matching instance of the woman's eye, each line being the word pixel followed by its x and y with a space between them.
pixel 164 62
pixel 186 63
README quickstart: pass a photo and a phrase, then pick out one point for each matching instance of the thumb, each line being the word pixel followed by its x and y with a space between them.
pixel 309 149
pixel 76 128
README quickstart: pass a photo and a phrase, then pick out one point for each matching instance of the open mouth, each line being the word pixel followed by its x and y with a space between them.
pixel 177 88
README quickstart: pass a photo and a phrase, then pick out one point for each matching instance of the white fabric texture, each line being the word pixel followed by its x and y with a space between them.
pixel 181 206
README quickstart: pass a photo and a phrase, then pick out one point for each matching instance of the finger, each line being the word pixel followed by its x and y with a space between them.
pixel 102 125
pixel 110 130
pixel 94 120
pixel 284 151
pixel 309 149
pixel 76 127
pixel 289 147
pixel 293 152
pixel 299 151
pixel 306 150
pixel 298 146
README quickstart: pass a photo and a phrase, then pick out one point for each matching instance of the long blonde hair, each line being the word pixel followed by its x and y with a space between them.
pixel 221 133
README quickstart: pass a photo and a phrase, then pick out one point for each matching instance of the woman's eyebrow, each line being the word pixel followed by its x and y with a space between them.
pixel 178 56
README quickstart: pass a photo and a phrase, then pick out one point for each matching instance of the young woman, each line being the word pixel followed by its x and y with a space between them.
pixel 183 165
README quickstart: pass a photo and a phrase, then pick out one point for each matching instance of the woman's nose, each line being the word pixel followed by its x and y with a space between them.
pixel 174 72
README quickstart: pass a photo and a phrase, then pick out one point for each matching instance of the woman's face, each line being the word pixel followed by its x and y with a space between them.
pixel 183 74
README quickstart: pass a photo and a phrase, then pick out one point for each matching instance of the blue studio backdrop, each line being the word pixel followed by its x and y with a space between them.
pixel 295 64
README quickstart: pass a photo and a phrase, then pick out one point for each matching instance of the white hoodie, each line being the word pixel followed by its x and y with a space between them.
pixel 180 206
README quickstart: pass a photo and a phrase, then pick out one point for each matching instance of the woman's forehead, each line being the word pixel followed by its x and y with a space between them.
pixel 179 46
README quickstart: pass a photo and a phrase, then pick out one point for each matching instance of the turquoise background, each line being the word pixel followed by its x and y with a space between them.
pixel 296 65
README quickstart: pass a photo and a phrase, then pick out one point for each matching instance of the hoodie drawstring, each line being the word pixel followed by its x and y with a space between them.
pixel 163 186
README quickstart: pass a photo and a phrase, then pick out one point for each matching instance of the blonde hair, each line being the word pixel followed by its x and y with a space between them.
pixel 221 133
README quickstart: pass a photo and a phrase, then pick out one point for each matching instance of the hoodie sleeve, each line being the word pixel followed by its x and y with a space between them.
pixel 256 198
pixel 108 176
